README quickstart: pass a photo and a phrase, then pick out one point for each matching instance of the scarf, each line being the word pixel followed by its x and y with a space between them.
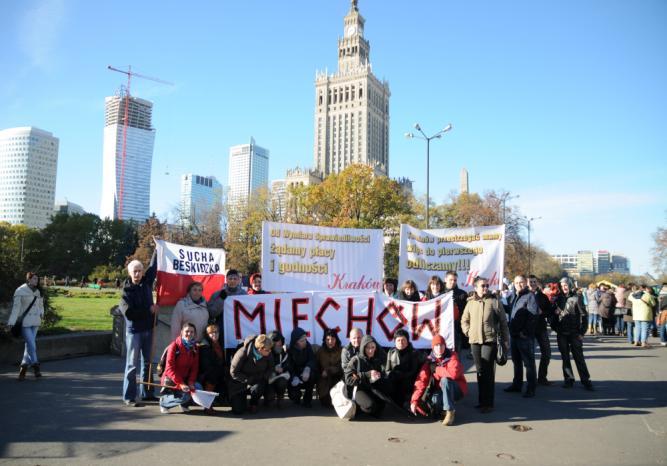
pixel 188 344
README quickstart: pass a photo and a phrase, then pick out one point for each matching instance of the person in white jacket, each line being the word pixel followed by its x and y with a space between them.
pixel 192 308
pixel 28 297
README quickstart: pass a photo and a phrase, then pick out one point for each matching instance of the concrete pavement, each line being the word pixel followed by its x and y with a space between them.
pixel 74 415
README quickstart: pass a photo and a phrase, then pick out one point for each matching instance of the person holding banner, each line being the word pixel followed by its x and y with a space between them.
pixel 440 383
pixel 180 371
pixel 232 287
pixel 212 366
pixel 192 308
pixel 256 284
pixel 434 288
pixel 302 365
pixel 409 292
pixel 251 367
pixel 328 361
pixel 137 306
pixel 389 287
pixel 365 373
pixel 482 321
pixel 460 301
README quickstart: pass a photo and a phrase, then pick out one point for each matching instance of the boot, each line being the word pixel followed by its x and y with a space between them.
pixel 590 330
pixel 449 418
pixel 22 372
pixel 35 368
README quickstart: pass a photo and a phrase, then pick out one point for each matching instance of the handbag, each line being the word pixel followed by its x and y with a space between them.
pixel 18 325
pixel 345 407
pixel 501 354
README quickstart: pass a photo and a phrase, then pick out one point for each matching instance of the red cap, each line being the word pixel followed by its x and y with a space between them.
pixel 438 340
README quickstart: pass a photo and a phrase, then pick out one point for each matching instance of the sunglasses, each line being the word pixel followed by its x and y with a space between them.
pixel 484 286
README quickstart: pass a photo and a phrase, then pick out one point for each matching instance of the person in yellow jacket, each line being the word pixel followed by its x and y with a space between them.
pixel 643 303
pixel 28 306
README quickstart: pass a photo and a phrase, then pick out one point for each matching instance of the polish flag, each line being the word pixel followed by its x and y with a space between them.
pixel 179 265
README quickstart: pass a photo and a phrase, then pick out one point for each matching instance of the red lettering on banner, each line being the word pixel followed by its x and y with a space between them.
pixel 296 317
pixel 368 318
pixel 329 302
pixel 433 326
pixel 276 315
pixel 258 311
pixel 396 311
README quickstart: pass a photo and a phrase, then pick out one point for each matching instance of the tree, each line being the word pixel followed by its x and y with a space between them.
pixel 659 251
pixel 152 227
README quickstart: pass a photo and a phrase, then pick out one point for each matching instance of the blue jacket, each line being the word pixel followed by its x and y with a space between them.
pixel 522 308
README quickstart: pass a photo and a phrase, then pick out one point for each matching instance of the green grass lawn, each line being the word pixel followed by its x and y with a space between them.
pixel 83 313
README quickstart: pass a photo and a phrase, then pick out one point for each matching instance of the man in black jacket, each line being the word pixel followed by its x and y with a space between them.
pixel 137 306
pixel 541 333
pixel 569 321
pixel 522 308
pixel 460 299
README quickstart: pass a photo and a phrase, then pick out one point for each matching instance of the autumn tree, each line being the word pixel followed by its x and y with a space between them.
pixel 659 251
pixel 152 227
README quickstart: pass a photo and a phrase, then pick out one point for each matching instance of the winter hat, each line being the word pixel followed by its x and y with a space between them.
pixel 438 340
pixel 401 332
pixel 254 276
pixel 276 336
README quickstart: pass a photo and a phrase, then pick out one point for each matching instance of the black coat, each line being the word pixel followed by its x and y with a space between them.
pixel 358 370
pixel 570 315
pixel 137 299
pixel 545 311
pixel 403 365
pixel 212 369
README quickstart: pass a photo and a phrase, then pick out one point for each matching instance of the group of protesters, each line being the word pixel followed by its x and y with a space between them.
pixel 270 366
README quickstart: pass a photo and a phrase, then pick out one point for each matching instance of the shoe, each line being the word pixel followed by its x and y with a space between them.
pixel 529 394
pixel 588 386
pixel 150 397
pixel 568 384
pixel 22 372
pixel 544 382
pixel 185 409
pixel 663 343
pixel 449 418
pixel 35 368
pixel 131 403
pixel 210 411
pixel 637 344
pixel 644 345
pixel 164 410
pixel 512 389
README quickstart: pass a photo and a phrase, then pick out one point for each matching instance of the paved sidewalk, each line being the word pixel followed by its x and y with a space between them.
pixel 74 415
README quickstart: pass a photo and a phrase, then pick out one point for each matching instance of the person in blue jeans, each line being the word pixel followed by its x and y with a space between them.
pixel 137 306
pixel 643 303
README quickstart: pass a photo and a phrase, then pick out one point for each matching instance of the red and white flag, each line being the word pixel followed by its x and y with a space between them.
pixel 178 266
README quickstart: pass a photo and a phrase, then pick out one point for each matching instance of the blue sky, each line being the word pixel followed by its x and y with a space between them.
pixel 563 103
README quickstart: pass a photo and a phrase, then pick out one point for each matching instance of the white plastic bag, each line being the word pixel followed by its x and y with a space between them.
pixel 345 408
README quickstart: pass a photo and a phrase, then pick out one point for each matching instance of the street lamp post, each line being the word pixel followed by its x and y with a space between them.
pixel 530 220
pixel 428 147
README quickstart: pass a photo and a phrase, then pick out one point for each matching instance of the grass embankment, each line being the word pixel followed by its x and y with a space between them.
pixel 82 309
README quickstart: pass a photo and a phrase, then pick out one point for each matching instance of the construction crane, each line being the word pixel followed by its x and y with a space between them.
pixel 126 119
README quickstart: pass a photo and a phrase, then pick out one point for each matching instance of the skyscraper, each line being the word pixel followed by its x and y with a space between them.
pixel 28 168
pixel 248 170
pixel 351 107
pixel 463 186
pixel 200 195
pixel 126 189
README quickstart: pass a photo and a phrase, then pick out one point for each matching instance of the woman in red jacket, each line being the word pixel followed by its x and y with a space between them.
pixel 181 370
pixel 440 383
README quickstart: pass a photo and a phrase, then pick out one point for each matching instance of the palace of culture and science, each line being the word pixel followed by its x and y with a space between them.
pixel 351 107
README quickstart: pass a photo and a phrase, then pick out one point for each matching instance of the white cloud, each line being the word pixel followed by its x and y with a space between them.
pixel 39 30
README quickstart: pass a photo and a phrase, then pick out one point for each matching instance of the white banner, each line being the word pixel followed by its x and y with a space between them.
pixel 306 257
pixel 471 252
pixel 374 313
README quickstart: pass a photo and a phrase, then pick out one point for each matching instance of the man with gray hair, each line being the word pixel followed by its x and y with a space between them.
pixel 137 306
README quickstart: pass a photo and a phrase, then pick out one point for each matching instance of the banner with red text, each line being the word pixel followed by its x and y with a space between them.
pixel 471 252
pixel 178 266
pixel 305 257
pixel 372 312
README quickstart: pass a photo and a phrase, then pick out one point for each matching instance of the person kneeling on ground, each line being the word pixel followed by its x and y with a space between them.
pixel 212 365
pixel 403 363
pixel 328 360
pixel 440 383
pixel 251 367
pixel 302 365
pixel 364 371
pixel 281 369
pixel 180 371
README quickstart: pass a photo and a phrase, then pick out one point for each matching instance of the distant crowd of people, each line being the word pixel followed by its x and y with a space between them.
pixel 270 367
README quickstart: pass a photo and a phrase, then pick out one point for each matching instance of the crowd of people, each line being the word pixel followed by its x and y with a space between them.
pixel 267 368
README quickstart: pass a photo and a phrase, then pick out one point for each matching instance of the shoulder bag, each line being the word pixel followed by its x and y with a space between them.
pixel 16 329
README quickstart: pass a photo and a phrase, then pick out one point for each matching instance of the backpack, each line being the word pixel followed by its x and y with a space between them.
pixel 162 365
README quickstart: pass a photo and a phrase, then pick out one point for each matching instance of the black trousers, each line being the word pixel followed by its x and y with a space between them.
pixel 485 363
pixel 369 402
pixel 542 338
pixel 239 401
pixel 572 344
pixel 276 389
pixel 294 393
